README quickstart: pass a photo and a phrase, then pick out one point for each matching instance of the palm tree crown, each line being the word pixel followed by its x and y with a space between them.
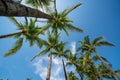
pixel 62 22
pixel 88 47
pixel 28 31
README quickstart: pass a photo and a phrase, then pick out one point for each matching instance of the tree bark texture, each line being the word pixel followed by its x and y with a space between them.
pixel 11 8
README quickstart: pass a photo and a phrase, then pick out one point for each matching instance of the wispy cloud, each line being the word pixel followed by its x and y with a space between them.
pixel 73 47
pixel 41 68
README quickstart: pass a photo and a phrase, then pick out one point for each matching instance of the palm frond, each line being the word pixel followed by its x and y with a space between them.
pixel 42 29
pixel 73 28
pixel 106 61
pixel 31 42
pixel 18 24
pixel 55 54
pixel 55 9
pixel 66 31
pixel 67 11
pixel 17 46
pixel 39 42
pixel 26 21
pixel 66 56
pixel 41 53
pixel 95 58
pixel 67 51
pixel 10 35
pixel 68 64
pixel 87 40
pixel 30 39
pixel 39 3
pixel 45 43
pixel 104 43
pixel 117 71
pixel 34 3
pixel 96 40
pixel 32 23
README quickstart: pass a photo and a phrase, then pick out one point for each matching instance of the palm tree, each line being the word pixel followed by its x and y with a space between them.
pixel 28 31
pixel 60 51
pixel 86 64
pixel 12 8
pixel 50 45
pixel 90 47
pixel 61 21
pixel 87 67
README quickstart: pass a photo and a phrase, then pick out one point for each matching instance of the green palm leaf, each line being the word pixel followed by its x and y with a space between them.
pixel 38 42
pixel 117 71
pixel 39 3
pixel 42 30
pixel 73 28
pixel 104 43
pixel 66 31
pixel 41 53
pixel 67 11
pixel 106 61
pixel 31 42
pixel 95 58
pixel 26 21
pixel 11 35
pixel 18 24
pixel 67 51
pixel 32 23
pixel 96 40
pixel 87 40
pixel 69 64
pixel 17 46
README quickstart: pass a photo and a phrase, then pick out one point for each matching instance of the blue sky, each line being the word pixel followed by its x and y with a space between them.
pixel 95 17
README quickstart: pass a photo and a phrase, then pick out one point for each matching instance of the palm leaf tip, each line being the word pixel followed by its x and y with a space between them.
pixel 97 39
pixel 105 43
pixel 17 46
pixel 67 11
pixel 73 28
pixel 16 22
pixel 33 58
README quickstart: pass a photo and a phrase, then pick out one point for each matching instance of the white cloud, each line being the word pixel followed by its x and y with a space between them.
pixel 73 47
pixel 41 68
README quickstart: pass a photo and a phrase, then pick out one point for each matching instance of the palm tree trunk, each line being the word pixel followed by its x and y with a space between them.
pixel 49 66
pixel 64 69
pixel 10 35
pixel 81 77
pixel 107 66
pixel 11 8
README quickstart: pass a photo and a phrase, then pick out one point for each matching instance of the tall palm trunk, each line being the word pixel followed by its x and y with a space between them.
pixel 64 69
pixel 49 66
pixel 107 66
pixel 81 76
pixel 11 8
pixel 9 35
